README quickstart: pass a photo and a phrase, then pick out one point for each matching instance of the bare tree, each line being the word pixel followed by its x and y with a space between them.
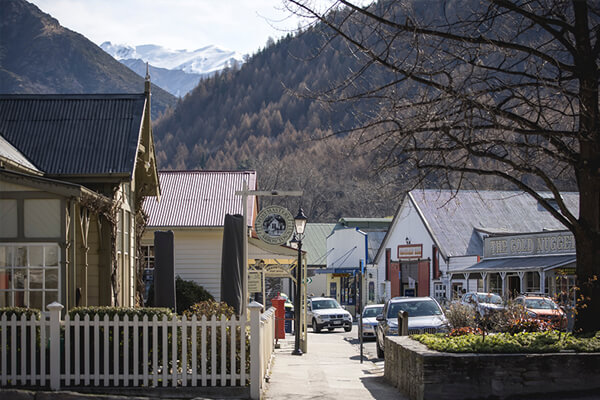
pixel 499 88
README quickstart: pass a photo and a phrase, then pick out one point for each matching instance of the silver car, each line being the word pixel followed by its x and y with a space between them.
pixel 369 320
pixel 424 316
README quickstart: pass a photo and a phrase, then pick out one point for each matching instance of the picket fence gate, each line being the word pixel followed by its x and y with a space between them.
pixel 58 353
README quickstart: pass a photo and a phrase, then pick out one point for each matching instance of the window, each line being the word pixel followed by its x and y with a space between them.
pixel 148 265
pixel 42 218
pixel 439 291
pixel 8 218
pixel 29 275
pixel 371 291
pixel 533 282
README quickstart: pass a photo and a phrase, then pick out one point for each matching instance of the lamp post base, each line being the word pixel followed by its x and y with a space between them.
pixel 297 352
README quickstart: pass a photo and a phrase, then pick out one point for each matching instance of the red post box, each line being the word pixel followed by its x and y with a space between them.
pixel 279 304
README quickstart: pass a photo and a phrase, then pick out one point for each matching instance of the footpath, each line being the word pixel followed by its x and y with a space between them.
pixel 330 369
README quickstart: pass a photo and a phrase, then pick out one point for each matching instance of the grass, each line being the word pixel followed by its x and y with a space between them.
pixel 537 342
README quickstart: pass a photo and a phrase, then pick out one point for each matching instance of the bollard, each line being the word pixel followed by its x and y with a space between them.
pixel 402 323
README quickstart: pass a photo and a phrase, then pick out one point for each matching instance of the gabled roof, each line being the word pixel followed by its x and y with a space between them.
pixel 195 199
pixel 456 220
pixel 75 135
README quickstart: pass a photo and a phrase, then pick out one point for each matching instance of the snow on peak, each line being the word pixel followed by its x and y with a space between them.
pixel 201 61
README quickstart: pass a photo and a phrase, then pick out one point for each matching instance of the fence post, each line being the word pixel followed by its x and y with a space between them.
pixel 55 309
pixel 255 361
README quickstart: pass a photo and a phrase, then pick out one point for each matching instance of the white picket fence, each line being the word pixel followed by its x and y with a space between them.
pixel 118 352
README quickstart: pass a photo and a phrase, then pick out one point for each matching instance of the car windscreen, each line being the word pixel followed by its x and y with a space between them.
pixel 489 298
pixel 541 304
pixel 414 308
pixel 324 304
pixel 372 312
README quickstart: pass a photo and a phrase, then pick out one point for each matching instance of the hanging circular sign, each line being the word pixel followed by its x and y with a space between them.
pixel 274 225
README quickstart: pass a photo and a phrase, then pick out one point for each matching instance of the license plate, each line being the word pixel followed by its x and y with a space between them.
pixel 337 322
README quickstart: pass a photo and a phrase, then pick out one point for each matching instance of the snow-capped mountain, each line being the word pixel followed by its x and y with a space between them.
pixel 201 61
pixel 197 63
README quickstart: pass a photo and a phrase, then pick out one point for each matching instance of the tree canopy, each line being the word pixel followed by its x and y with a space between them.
pixel 498 88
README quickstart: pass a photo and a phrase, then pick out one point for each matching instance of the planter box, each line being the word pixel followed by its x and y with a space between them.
pixel 421 374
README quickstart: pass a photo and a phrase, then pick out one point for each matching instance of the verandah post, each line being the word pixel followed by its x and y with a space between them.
pixel 55 309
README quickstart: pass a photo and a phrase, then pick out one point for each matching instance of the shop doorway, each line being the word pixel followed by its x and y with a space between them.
pixel 514 286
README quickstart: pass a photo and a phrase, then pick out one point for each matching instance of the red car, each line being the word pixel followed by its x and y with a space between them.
pixel 543 308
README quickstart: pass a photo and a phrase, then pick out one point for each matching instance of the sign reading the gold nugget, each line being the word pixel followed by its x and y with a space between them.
pixel 274 225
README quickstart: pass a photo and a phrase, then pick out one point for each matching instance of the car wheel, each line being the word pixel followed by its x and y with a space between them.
pixel 379 349
pixel 315 326
pixel 348 328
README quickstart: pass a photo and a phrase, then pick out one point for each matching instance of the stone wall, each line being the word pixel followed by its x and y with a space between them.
pixel 422 374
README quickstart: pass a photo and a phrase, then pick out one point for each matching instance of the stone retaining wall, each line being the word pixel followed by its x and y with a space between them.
pixel 422 374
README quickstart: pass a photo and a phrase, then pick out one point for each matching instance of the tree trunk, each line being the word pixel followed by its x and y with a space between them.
pixel 587 237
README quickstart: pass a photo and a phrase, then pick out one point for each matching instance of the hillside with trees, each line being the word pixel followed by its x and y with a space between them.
pixel 264 116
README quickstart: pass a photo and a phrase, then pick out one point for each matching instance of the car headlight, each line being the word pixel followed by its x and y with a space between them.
pixel 531 314
pixel 323 317
pixel 392 331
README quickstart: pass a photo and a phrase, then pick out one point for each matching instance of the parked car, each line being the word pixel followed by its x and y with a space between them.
pixel 369 320
pixel 483 303
pixel 544 308
pixel 324 312
pixel 424 316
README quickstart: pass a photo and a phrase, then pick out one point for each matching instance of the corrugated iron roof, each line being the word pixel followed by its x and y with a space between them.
pixel 455 218
pixel 199 198
pixel 520 263
pixel 315 242
pixel 75 134
pixel 11 154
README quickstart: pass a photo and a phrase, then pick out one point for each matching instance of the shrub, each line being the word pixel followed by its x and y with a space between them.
pixel 19 311
pixel 461 316
pixel 188 293
pixel 537 342
pixel 220 311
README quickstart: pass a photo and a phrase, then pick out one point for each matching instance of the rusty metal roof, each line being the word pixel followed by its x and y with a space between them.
pixel 199 198
pixel 74 135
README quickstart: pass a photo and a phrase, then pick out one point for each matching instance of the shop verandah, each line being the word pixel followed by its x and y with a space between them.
pixel 542 263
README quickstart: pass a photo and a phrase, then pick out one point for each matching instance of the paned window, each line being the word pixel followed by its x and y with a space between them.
pixel 148 259
pixel 29 275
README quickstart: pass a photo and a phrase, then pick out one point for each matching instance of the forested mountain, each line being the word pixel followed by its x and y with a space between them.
pixel 38 55
pixel 263 116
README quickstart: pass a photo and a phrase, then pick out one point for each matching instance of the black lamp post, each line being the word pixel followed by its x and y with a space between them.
pixel 300 223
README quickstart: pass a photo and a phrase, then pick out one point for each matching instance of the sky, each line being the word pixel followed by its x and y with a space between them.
pixel 240 25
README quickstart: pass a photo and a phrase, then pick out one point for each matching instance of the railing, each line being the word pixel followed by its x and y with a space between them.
pixel 121 352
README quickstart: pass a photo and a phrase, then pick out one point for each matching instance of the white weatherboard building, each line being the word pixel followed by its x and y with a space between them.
pixel 437 234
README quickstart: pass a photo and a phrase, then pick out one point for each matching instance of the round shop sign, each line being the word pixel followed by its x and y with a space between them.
pixel 274 225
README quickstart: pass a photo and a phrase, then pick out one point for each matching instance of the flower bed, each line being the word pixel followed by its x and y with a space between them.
pixel 525 342
pixel 422 373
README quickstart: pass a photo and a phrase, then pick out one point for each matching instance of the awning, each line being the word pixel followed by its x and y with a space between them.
pixel 353 270
pixel 519 264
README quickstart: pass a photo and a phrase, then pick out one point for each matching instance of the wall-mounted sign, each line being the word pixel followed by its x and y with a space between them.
pixel 529 244
pixel 254 281
pixel 274 225
pixel 410 251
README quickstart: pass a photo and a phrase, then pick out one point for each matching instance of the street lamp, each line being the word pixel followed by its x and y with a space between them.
pixel 300 223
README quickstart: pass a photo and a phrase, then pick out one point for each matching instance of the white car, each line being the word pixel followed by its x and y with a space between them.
pixel 369 320
pixel 324 312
